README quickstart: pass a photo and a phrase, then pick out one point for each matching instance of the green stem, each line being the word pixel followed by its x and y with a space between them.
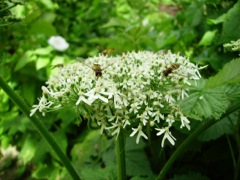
pixel 187 142
pixel 120 155
pixel 7 8
pixel 37 122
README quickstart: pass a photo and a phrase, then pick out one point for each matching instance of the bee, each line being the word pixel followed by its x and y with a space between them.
pixel 107 51
pixel 97 68
pixel 169 70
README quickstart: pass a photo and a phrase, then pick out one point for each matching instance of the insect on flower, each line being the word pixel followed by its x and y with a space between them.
pixel 97 68
pixel 169 70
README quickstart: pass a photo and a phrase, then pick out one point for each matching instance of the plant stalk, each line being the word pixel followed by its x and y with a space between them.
pixel 187 142
pixel 37 122
pixel 120 156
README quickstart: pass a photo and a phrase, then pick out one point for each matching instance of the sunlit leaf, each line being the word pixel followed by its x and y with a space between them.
pixel 42 62
pixel 229 74
pixel 29 56
pixel 208 38
pixel 206 103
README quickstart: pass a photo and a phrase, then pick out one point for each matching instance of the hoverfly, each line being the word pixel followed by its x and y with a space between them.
pixel 97 68
pixel 169 70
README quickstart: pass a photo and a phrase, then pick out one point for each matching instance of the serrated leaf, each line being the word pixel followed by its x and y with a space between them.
pixel 220 128
pixel 205 103
pixel 233 91
pixel 229 74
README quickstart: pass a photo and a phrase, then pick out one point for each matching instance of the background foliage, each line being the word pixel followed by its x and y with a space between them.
pixel 197 29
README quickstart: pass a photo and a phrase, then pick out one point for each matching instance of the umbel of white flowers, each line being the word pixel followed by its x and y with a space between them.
pixel 131 92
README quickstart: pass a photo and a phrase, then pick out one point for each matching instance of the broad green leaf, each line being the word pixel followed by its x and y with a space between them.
pixel 136 160
pixel 229 74
pixel 231 27
pixel 57 60
pixel 43 27
pixel 208 38
pixel 115 22
pixel 28 150
pixel 42 62
pixel 233 91
pixel 43 51
pixel 46 171
pixel 205 103
pixel 218 20
pixel 82 151
pixel 220 128
pixel 109 173
pixel 28 57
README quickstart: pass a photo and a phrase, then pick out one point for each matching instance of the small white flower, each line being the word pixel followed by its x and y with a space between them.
pixel 185 122
pixel 167 135
pixel 140 133
pixel 58 43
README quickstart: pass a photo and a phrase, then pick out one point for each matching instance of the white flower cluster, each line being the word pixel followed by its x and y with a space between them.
pixel 133 92
pixel 233 45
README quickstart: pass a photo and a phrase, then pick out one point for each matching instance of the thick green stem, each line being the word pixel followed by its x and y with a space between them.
pixel 37 122
pixel 180 150
pixel 120 155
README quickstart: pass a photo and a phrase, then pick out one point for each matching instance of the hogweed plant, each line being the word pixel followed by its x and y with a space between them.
pixel 130 93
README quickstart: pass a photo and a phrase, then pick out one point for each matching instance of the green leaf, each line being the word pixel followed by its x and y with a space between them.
pixel 28 149
pixel 43 51
pixel 46 171
pixel 42 62
pixel 28 57
pixel 205 103
pixel 233 91
pixel 109 172
pixel 115 22
pixel 43 27
pixel 86 147
pixel 136 160
pixel 229 74
pixel 218 20
pixel 208 38
pixel 231 27
pixel 220 128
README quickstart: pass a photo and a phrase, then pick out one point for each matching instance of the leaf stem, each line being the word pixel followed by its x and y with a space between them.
pixel 120 156
pixel 37 122
pixel 187 142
